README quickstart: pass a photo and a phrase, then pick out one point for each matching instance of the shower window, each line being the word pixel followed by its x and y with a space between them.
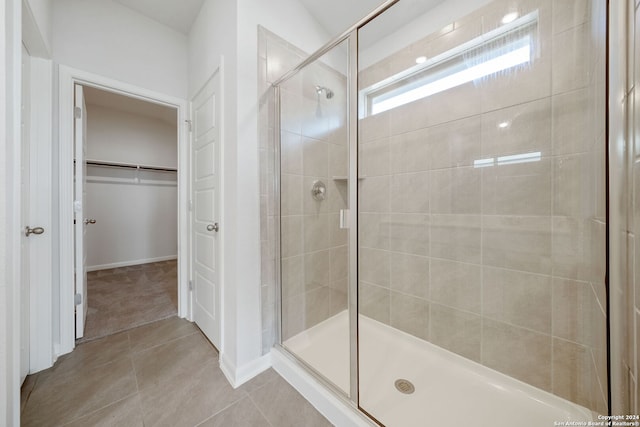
pixel 509 46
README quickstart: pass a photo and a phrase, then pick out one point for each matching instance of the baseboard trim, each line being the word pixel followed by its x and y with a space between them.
pixel 338 411
pixel 240 375
pixel 129 263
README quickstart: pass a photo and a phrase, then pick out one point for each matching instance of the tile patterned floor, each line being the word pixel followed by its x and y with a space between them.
pixel 126 297
pixel 161 374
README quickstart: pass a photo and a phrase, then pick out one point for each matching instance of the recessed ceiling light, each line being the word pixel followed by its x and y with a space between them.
pixel 509 17
pixel 421 59
pixel 503 125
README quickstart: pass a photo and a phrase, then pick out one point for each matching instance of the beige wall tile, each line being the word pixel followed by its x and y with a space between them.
pixel 517 189
pixel 316 270
pixel 338 160
pixel 456 285
pixel 374 266
pixel 573 130
pixel 291 153
pixel 568 14
pixel 291 232
pixel 317 306
pixel 409 233
pixel 374 127
pixel 290 106
pixel 410 274
pixel 374 302
pixel 572 247
pixel 455 144
pixel 573 195
pixel 337 236
pixel 456 237
pixel 374 158
pixel 337 195
pixel 570 59
pixel 572 375
pixel 315 157
pixel 453 104
pixel 293 279
pixel 409 152
pixel 521 299
pixel 409 193
pixel 518 243
pixel 410 314
pixel 520 129
pixel 374 194
pixel 573 307
pixel 456 191
pixel 374 230
pixel 517 352
pixel 456 331
pixel 291 195
pixel 339 263
pixel 316 232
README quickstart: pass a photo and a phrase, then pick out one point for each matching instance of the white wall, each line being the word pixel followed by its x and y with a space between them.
pixel 10 88
pixel 108 39
pixel 230 28
pixel 136 222
pixel 38 26
pixel 118 136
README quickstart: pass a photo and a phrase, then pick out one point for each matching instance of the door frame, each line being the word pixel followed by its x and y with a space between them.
pixel 67 78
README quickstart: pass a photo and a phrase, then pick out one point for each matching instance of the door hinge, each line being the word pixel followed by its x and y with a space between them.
pixel 190 285
pixel 77 299
pixel 78 112
pixel 188 122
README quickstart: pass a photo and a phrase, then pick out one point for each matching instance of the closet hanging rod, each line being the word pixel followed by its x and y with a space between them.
pixel 129 166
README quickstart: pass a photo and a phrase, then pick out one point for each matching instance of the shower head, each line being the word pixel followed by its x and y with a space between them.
pixel 327 92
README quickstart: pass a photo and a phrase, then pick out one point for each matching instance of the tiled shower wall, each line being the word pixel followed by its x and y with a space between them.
pixel 314 147
pixel 504 265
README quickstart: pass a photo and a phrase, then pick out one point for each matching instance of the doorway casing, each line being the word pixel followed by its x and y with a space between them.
pixel 68 77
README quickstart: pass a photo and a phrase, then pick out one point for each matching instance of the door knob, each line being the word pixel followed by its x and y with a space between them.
pixel 36 230
pixel 89 221
pixel 213 227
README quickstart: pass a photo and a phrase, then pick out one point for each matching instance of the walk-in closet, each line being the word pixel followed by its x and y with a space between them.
pixel 130 212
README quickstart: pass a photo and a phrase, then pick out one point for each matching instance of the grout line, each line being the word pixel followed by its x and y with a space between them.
pixel 98 410
pixel 258 407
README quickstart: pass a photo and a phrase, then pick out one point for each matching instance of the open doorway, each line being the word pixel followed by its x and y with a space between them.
pixel 128 226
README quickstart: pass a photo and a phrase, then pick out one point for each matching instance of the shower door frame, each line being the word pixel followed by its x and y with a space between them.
pixel 350 35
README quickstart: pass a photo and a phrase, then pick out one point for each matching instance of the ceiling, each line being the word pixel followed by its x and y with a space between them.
pixel 129 105
pixel 336 16
pixel 177 14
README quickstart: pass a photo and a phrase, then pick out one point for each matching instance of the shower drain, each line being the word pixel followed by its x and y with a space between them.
pixel 404 386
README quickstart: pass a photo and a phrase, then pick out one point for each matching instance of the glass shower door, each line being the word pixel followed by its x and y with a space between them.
pixel 481 212
pixel 313 207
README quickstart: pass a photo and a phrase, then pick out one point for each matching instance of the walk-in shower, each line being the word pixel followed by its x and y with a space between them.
pixel 456 258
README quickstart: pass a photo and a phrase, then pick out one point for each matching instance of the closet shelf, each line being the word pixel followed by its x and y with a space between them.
pixel 106 164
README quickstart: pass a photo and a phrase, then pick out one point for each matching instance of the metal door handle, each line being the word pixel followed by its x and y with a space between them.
pixel 213 227
pixel 89 221
pixel 36 230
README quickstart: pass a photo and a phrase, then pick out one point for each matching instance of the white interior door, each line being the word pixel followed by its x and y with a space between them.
pixel 25 221
pixel 205 194
pixel 80 149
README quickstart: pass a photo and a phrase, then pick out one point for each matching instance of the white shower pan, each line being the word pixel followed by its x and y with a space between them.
pixel 449 389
